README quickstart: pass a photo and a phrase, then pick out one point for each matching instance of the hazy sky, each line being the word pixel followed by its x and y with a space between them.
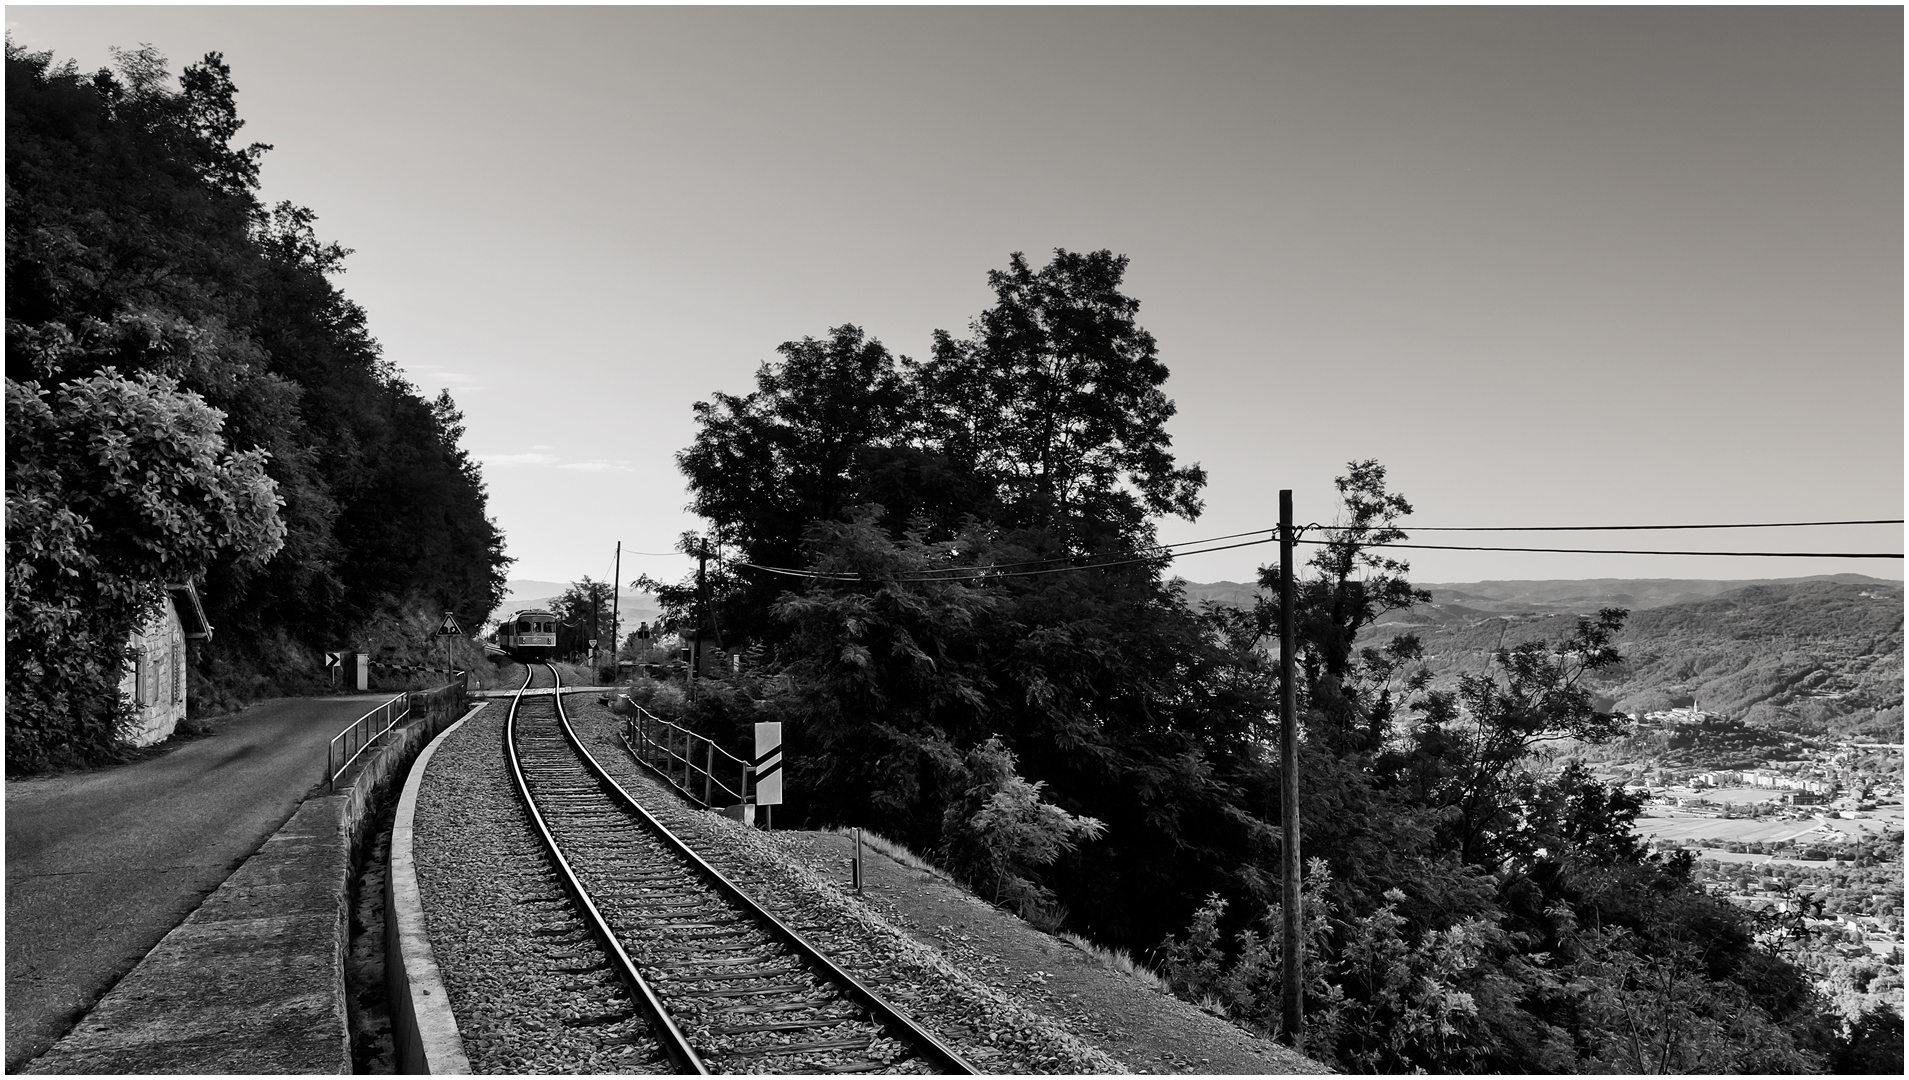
pixel 1550 266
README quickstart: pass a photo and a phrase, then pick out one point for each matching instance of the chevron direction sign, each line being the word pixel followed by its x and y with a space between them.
pixel 768 764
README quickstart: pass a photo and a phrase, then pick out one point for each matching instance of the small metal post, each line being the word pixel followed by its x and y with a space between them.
pixel 709 770
pixel 857 875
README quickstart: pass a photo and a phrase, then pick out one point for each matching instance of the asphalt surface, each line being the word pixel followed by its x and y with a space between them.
pixel 102 864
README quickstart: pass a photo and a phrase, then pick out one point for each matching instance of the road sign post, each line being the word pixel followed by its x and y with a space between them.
pixel 769 766
pixel 447 628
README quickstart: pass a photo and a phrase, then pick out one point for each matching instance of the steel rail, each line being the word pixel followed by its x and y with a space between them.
pixel 675 1044
pixel 879 1007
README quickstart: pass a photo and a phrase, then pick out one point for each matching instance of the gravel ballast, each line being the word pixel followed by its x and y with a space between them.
pixel 531 991
pixel 485 890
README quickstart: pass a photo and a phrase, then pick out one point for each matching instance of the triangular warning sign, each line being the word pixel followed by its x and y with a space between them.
pixel 449 627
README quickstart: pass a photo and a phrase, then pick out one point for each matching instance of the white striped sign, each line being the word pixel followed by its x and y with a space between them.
pixel 768 764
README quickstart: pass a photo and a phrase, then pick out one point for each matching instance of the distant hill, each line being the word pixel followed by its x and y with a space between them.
pixel 1819 655
pixel 1577 597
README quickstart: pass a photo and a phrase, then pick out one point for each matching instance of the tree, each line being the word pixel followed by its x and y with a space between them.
pixel 1050 420
pixel 1351 699
pixel 1056 401
pixel 115 487
pixel 1009 457
pixel 766 465
pixel 824 429
pixel 891 674
pixel 136 247
pixel 1469 746
pixel 583 612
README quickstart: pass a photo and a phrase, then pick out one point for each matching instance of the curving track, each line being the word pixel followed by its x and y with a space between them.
pixel 728 987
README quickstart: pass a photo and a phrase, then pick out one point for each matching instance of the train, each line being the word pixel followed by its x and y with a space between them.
pixel 529 635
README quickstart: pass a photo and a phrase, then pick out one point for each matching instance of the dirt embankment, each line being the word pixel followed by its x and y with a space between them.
pixel 1149 1031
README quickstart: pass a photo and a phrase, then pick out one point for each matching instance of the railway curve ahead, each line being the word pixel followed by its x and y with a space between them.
pixel 727 987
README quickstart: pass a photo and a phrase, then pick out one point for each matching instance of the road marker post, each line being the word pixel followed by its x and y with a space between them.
pixel 768 767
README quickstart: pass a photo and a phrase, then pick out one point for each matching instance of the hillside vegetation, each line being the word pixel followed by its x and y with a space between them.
pixel 190 398
pixel 1813 656
pixel 944 581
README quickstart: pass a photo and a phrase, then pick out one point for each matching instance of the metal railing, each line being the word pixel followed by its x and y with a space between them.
pixel 349 744
pixel 672 750
pixel 447 702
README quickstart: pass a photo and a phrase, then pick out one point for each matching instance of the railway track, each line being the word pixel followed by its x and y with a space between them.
pixel 726 986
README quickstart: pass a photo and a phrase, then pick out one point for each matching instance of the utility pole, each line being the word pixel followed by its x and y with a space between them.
pixel 596 596
pixel 616 598
pixel 1293 955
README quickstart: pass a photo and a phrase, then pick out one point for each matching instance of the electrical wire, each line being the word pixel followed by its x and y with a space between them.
pixel 1617 528
pixel 979 572
pixel 1013 569
pixel 999 569
pixel 1633 551
pixel 956 572
pixel 972 573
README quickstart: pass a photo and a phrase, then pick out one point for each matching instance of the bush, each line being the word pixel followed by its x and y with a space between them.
pixel 997 833
pixel 1250 987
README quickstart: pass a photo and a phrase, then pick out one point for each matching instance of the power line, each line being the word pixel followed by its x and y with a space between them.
pixel 1617 528
pixel 1567 528
pixel 958 570
pixel 1633 551
pixel 974 573
pixel 967 573
pixel 1013 569
pixel 954 573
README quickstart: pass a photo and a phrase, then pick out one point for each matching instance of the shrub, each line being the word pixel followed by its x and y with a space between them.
pixel 1250 987
pixel 997 833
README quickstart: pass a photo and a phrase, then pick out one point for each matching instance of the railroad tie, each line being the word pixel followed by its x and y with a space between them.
pixel 797 1048
pixel 743 991
pixel 789 1025
pixel 754 973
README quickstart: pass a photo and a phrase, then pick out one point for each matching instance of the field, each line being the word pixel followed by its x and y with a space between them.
pixel 1660 823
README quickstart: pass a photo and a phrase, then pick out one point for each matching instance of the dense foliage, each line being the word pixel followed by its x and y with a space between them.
pixel 947 576
pixel 189 397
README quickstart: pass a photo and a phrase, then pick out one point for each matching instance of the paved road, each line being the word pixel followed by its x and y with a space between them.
pixel 101 865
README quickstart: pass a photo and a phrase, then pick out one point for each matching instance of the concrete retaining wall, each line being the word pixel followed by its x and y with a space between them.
pixel 254 980
pixel 424 1033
